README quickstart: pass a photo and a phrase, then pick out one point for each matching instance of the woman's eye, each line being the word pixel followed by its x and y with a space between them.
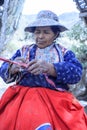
pixel 37 32
pixel 46 32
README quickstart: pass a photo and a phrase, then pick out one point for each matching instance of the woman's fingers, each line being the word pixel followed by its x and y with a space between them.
pixel 20 59
pixel 14 69
pixel 37 67
pixel 32 66
pixel 36 71
pixel 32 62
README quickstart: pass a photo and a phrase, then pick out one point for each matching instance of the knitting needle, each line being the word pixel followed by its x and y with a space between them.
pixel 14 62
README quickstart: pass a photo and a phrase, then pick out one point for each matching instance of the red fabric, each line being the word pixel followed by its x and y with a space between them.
pixel 24 108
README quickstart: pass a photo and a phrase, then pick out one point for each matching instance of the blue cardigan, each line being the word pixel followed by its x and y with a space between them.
pixel 68 69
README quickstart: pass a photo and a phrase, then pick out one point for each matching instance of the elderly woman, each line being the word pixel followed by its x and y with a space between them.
pixel 40 99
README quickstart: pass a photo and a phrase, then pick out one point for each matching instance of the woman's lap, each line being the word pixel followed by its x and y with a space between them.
pixel 25 108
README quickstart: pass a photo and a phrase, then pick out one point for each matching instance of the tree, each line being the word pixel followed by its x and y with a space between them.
pixel 9 19
pixel 79 33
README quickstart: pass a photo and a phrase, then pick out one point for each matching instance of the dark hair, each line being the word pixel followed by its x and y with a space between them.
pixel 56 30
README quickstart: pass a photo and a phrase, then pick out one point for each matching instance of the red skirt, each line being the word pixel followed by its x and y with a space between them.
pixel 25 108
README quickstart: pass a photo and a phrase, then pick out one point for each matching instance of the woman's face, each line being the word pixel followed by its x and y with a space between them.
pixel 44 36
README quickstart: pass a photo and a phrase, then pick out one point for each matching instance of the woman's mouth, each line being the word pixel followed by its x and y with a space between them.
pixel 40 42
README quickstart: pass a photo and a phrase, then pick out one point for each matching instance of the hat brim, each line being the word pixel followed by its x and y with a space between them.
pixel 44 22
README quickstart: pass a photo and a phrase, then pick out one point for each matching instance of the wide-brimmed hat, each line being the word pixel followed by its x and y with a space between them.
pixel 45 18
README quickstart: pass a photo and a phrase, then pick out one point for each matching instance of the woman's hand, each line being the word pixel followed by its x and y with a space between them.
pixel 17 68
pixel 37 67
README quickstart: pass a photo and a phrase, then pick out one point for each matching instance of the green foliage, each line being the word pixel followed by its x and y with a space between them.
pixel 79 34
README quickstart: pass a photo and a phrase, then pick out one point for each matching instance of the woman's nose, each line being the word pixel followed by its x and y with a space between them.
pixel 41 35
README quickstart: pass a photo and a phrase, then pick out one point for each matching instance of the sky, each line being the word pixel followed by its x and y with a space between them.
pixel 57 6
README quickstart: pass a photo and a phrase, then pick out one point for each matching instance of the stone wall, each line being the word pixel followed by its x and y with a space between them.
pixel 80 90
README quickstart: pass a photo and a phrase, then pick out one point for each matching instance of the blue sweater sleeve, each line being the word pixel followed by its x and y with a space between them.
pixel 70 70
pixel 4 69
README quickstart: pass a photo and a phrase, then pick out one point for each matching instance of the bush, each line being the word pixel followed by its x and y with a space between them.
pixel 79 34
